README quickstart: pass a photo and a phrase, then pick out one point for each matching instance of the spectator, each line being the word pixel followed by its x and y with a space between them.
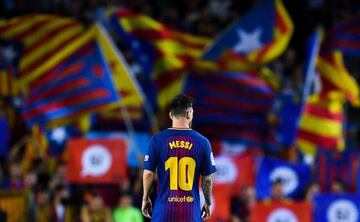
pixel 61 208
pixel 30 180
pixel 15 176
pixel 312 190
pixel 242 203
pixel 277 193
pixel 95 210
pixel 43 207
pixel 126 212
pixel 338 186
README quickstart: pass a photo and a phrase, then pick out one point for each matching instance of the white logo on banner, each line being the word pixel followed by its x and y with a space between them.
pixel 96 161
pixel 287 176
pixel 226 170
pixel 282 215
pixel 202 200
pixel 342 211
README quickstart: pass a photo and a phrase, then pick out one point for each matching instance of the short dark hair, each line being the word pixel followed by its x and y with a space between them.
pixel 180 104
pixel 277 181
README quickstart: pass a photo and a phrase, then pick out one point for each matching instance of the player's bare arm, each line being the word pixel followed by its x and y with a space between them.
pixel 207 188
pixel 146 208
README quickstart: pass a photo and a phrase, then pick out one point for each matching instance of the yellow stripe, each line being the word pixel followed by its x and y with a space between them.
pixel 49 46
pixel 44 31
pixel 333 103
pixel 3 82
pixel 306 146
pixel 284 15
pixel 206 66
pixel 116 114
pixel 321 126
pixel 339 76
pixel 281 40
pixel 110 10
pixel 167 94
pixel 23 26
pixel 192 38
pixel 140 22
pixel 62 54
pixel 172 48
pixel 166 64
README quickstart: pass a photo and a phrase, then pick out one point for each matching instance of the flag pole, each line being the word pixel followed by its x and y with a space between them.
pixel 124 111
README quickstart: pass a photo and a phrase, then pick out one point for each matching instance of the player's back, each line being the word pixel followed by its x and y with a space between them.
pixel 179 156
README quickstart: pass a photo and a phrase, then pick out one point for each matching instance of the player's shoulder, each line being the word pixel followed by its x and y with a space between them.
pixel 198 134
pixel 159 135
pixel 200 137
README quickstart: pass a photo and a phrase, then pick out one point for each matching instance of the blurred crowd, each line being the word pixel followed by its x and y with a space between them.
pixel 51 198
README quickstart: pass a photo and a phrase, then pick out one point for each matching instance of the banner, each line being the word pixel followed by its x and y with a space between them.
pixel 220 202
pixel 295 177
pixel 334 165
pixel 235 170
pixel 137 144
pixel 333 208
pixel 98 161
pixel 281 212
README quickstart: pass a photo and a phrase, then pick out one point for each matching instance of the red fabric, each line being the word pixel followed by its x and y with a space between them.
pixel 113 148
pixel 267 211
pixel 237 171
pixel 221 203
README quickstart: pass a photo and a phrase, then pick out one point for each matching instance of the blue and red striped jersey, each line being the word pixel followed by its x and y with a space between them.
pixel 179 157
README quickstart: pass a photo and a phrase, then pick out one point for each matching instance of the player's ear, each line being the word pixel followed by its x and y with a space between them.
pixel 170 115
pixel 187 114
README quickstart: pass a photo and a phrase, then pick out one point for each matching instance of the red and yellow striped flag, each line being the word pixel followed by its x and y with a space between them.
pixel 321 124
pixel 43 37
pixel 174 50
pixel 334 76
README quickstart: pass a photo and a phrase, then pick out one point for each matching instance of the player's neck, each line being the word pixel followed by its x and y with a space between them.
pixel 180 124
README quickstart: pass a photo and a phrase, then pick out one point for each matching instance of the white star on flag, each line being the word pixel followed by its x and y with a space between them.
pixel 248 41
pixel 58 135
pixel 9 53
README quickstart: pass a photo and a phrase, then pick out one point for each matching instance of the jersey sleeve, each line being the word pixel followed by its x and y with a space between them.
pixel 150 157
pixel 208 167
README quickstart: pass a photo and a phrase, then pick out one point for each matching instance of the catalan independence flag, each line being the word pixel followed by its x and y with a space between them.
pixel 132 96
pixel 78 85
pixel 42 36
pixel 163 52
pixel 255 39
pixel 345 37
pixel 236 104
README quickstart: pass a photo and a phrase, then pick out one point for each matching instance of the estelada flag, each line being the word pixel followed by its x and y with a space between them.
pixel 279 211
pixel 97 161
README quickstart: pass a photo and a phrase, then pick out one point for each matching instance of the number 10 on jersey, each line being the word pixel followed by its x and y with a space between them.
pixel 181 172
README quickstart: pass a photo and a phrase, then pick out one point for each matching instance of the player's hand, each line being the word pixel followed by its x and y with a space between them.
pixel 205 212
pixel 146 207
